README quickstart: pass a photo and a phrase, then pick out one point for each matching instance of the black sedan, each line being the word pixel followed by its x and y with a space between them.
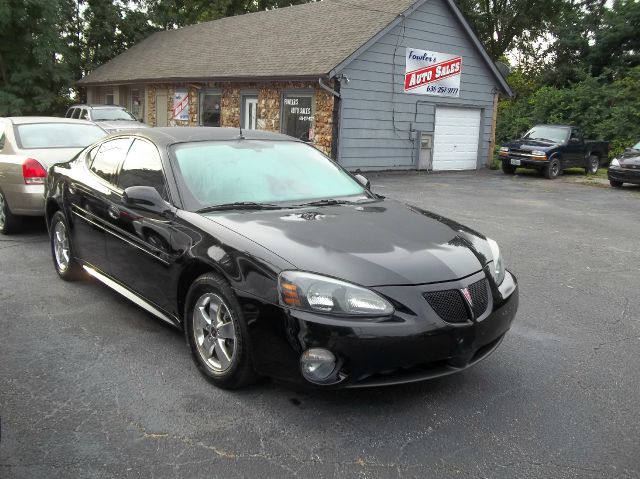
pixel 625 168
pixel 277 262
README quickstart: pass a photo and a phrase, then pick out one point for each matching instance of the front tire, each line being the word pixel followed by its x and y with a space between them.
pixel 9 223
pixel 217 334
pixel 616 184
pixel 66 265
pixel 593 165
pixel 552 170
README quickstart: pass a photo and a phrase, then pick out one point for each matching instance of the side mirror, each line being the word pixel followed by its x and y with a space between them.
pixel 574 141
pixel 145 198
pixel 363 180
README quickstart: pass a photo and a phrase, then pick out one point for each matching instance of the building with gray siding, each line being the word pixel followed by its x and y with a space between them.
pixel 376 84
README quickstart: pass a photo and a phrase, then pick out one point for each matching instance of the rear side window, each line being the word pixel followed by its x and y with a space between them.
pixel 68 113
pixel 76 113
pixel 109 156
pixel 1 135
pixel 85 114
pixel 142 167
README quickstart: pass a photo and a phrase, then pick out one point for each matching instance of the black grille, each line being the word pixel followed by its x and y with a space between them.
pixel 480 297
pixel 451 306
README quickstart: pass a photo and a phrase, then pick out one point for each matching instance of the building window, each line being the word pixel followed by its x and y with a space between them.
pixel 137 105
pixel 108 99
pixel 210 108
pixel 297 115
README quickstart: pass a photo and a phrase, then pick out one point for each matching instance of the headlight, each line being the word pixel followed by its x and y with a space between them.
pixel 504 151
pixel 315 293
pixel 497 265
pixel 539 153
pixel 615 163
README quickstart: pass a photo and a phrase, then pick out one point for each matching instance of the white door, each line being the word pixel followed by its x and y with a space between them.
pixel 250 113
pixel 456 139
pixel 162 108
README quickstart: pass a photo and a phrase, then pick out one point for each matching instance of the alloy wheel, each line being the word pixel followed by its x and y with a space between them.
pixel 61 248
pixel 214 332
pixel 555 169
pixel 595 165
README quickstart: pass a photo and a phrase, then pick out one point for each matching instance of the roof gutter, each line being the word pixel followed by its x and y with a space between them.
pixel 324 86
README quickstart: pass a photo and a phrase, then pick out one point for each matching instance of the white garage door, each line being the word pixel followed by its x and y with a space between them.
pixel 456 138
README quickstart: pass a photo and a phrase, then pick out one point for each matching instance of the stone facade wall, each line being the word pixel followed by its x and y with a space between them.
pixel 269 105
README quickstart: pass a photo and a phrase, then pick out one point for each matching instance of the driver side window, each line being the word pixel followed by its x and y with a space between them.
pixel 142 167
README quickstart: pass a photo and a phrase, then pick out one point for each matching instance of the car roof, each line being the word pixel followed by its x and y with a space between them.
pixel 186 134
pixel 23 120
pixel 98 107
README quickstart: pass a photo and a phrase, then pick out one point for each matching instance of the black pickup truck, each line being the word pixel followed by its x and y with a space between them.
pixel 553 148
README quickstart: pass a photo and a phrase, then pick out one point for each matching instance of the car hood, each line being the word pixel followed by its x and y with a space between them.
pixel 117 125
pixel 373 244
pixel 630 158
pixel 531 145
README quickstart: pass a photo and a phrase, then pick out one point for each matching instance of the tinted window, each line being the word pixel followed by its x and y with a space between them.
pixel 69 112
pixel 76 113
pixel 142 167
pixel 85 114
pixel 210 104
pixel 297 116
pixel 1 135
pixel 261 171
pixel 109 157
pixel 57 135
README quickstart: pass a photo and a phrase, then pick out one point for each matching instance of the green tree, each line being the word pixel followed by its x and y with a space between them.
pixel 505 24
pixel 34 74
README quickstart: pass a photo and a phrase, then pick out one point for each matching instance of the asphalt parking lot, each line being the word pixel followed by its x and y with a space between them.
pixel 93 387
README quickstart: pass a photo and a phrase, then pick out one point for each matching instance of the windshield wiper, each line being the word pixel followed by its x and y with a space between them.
pixel 240 205
pixel 327 202
pixel 545 139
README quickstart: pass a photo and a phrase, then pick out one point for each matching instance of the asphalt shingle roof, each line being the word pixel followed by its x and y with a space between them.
pixel 299 41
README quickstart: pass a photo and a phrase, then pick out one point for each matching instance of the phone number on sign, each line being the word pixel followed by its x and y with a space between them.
pixel 442 90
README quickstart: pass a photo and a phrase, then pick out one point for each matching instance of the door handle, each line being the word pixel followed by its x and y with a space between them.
pixel 113 212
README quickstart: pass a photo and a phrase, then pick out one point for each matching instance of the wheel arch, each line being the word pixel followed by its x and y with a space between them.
pixel 189 273
pixel 50 209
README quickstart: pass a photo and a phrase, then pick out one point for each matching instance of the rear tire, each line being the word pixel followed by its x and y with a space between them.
pixel 217 333
pixel 508 169
pixel 552 170
pixel 9 223
pixel 65 264
pixel 615 184
pixel 593 165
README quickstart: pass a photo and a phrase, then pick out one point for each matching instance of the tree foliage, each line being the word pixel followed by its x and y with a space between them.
pixel 505 24
pixel 33 73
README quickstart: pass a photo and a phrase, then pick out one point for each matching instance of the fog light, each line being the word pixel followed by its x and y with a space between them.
pixel 317 364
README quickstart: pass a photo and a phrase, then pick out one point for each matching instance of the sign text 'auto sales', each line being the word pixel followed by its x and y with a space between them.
pixel 431 73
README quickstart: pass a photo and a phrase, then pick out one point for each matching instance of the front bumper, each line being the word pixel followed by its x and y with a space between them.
pixel 524 162
pixel 625 175
pixel 408 347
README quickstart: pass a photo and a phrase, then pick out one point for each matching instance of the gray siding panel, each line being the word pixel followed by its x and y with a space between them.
pixel 377 117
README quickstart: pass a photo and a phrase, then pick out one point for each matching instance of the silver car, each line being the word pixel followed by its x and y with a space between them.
pixel 28 147
pixel 112 118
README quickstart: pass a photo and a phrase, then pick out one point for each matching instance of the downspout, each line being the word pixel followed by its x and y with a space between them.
pixel 335 128
pixel 328 88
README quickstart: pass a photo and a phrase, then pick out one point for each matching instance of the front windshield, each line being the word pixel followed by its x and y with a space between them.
pixel 58 135
pixel 556 134
pixel 110 114
pixel 258 171
pixel 637 146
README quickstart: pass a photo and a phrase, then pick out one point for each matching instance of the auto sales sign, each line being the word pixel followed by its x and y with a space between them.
pixel 432 73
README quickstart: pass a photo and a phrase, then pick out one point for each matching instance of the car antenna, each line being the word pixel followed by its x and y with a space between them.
pixel 241 135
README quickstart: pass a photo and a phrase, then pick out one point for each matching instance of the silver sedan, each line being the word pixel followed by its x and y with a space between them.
pixel 28 147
